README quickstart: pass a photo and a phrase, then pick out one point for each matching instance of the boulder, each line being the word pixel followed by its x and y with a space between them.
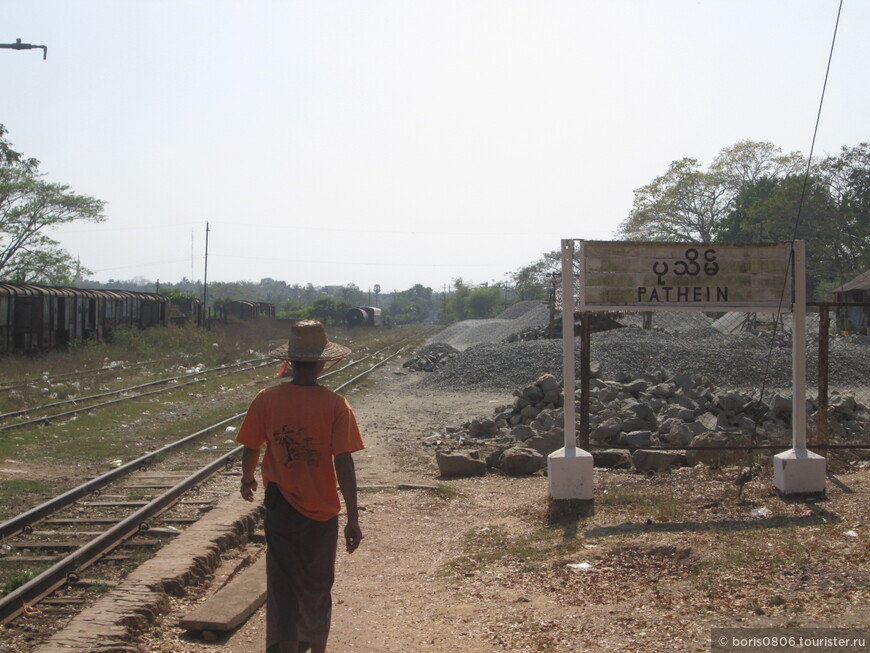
pixel 640 415
pixel 522 432
pixel 663 390
pixel 675 411
pixel 636 386
pixel 521 461
pixel 529 413
pixel 459 464
pixel 482 428
pixel 711 457
pixel 547 443
pixel 612 459
pixel 685 381
pixel 493 458
pixel 532 394
pixel 636 439
pixel 547 419
pixel 605 394
pixel 654 462
pixel 548 382
pixel 606 432
pixel 680 435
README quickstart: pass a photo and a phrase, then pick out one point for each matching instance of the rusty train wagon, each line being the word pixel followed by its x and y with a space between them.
pixel 364 316
pixel 242 309
pixel 35 318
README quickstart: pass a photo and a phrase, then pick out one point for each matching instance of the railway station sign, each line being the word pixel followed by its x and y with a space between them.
pixel 620 275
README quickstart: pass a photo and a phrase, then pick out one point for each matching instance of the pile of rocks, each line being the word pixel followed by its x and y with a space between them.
pixel 431 357
pixel 630 417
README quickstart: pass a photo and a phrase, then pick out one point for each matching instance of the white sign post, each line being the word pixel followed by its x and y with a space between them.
pixel 620 276
pixel 569 470
pixel 799 471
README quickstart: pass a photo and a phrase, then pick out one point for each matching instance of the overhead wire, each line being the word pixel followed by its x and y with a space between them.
pixel 797 220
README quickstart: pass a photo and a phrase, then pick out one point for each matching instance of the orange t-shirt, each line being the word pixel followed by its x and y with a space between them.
pixel 303 428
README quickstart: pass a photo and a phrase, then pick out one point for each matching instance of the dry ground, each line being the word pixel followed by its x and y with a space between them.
pixel 473 566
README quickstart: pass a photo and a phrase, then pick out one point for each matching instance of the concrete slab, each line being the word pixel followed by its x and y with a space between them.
pixel 234 603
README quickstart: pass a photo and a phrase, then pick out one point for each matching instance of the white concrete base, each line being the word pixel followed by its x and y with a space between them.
pixel 798 471
pixel 570 477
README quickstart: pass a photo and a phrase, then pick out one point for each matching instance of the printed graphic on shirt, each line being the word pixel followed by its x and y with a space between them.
pixel 297 447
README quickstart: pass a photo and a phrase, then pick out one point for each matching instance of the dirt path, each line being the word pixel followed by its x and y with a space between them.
pixel 391 595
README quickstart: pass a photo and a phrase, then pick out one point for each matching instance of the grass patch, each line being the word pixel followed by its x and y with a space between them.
pixel 18 579
pixel 644 502
pixel 17 490
pixel 447 492
pixel 496 546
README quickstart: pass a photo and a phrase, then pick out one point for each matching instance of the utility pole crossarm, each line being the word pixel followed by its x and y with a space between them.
pixel 18 45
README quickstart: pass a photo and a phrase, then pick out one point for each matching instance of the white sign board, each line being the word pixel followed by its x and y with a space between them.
pixel 683 276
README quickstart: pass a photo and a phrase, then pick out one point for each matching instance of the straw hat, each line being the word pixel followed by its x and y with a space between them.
pixel 308 343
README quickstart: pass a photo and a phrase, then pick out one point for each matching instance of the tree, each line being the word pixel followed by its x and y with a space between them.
pixel 29 207
pixel 455 308
pixel 829 209
pixel 413 305
pixel 535 280
pixel 847 177
pixel 687 204
pixel 682 205
pixel 484 302
pixel 323 309
pixel 747 162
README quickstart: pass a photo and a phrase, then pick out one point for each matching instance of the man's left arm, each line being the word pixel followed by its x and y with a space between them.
pixel 346 475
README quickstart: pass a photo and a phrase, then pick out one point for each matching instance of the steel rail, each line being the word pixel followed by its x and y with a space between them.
pixel 19 523
pixel 48 418
pixel 78 373
pixel 135 387
pixel 19 600
pixel 372 368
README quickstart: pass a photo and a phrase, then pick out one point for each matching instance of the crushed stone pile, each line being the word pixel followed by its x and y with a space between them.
pixel 431 357
pixel 519 318
pixel 739 361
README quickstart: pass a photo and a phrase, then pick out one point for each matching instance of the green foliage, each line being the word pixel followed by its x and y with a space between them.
pixel 328 310
pixel 412 306
pixel 466 303
pixel 752 193
pixel 18 579
pixel 29 208
pixel 535 280
pixel 455 308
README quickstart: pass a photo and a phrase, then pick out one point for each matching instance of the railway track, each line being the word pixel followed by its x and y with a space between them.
pixel 100 400
pixel 110 524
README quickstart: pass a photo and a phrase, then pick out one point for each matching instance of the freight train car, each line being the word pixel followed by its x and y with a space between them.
pixel 364 316
pixel 246 310
pixel 185 310
pixel 36 318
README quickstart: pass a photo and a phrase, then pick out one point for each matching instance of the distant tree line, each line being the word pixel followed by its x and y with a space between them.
pixel 330 304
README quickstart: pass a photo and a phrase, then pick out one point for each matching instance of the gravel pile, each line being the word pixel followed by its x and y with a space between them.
pixel 518 318
pixel 735 361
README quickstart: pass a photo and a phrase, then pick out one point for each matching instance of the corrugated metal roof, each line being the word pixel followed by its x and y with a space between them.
pixel 861 282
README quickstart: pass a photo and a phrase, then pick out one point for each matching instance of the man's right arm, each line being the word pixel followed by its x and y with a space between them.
pixel 250 458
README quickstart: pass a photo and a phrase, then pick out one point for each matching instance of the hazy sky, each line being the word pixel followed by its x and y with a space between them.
pixel 401 142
